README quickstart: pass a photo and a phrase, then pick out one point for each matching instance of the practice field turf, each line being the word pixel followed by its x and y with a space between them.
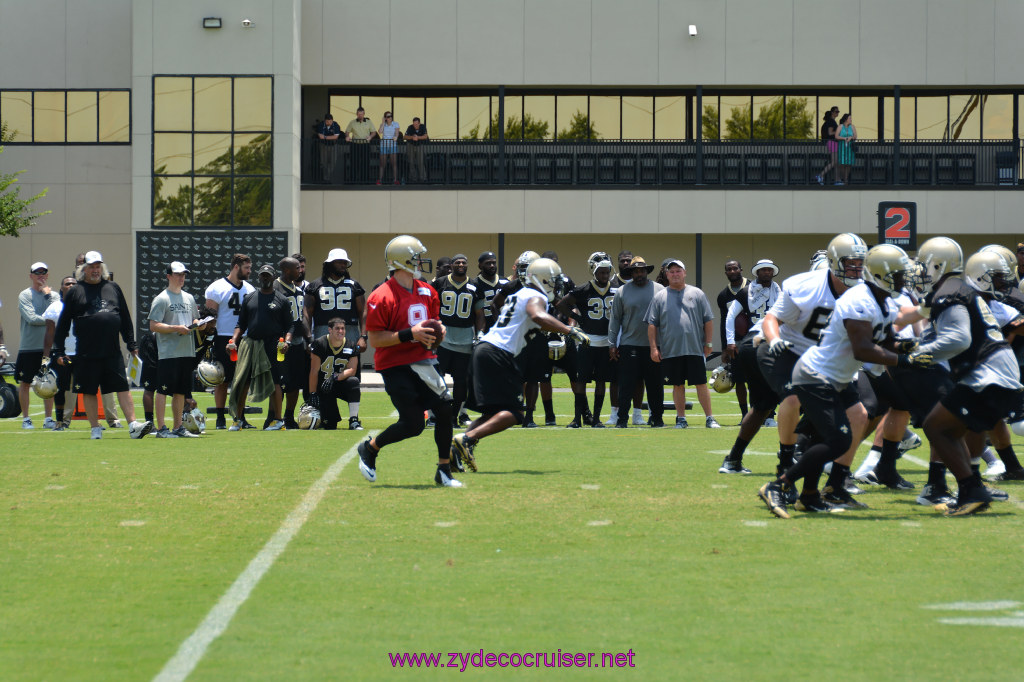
pixel 115 552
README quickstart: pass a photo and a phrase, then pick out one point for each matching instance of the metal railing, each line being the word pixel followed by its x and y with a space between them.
pixel 919 163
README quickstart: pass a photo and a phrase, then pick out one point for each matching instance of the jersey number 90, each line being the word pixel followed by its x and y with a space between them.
pixel 456 304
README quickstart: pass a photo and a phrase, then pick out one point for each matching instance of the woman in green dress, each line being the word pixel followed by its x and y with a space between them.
pixel 846 134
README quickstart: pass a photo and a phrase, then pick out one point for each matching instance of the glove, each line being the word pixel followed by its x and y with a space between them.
pixel 579 337
pixel 905 345
pixel 777 347
pixel 915 360
pixel 327 385
pixel 3 354
pixel 314 400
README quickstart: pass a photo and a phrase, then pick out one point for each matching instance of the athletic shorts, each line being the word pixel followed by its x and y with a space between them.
pixel 595 364
pixel 452 362
pixel 688 369
pixel 27 365
pixel 63 373
pixel 824 408
pixel 881 394
pixel 920 389
pixel 89 375
pixel 409 392
pixel 495 383
pixel 759 394
pixel 533 361
pixel 981 410
pixel 174 376
pixel 220 354
pixel 778 372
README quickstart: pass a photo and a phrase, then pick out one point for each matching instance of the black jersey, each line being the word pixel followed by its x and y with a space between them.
pixel 985 335
pixel 266 316
pixel 331 360
pixel 459 301
pixel 488 290
pixel 295 299
pixel 335 298
pixel 595 306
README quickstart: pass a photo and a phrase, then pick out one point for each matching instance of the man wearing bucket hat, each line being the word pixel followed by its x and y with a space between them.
pixel 628 343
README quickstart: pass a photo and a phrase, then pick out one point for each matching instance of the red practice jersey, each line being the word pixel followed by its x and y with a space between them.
pixel 391 308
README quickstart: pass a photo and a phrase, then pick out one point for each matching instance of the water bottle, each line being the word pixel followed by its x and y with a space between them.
pixel 280 353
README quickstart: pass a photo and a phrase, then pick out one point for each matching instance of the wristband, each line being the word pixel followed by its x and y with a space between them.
pixel 405 335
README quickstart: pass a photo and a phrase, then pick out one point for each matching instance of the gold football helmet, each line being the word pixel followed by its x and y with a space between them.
pixel 523 262
pixel 887 266
pixel 546 275
pixel 406 253
pixel 987 272
pixel 846 247
pixel 1008 256
pixel 939 256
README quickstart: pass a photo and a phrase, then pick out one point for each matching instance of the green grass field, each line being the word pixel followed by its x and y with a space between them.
pixel 115 551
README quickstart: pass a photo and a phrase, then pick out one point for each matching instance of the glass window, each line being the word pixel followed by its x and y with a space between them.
pixel 801 122
pixel 965 117
pixel 213 103
pixel 114 116
pixel 441 118
pixel 254 154
pixel 16 112
pixel 474 116
pixel 513 118
pixel 172 201
pixel 82 116
pixel 670 118
pixel 540 116
pixel 343 108
pixel 212 154
pixel 405 109
pixel 907 114
pixel 865 117
pixel 768 117
pixel 571 118
pixel 172 103
pixel 997 117
pixel 710 118
pixel 375 108
pixel 931 118
pixel 172 153
pixel 637 118
pixel 253 104
pixel 213 201
pixel 604 116
pixel 735 117
pixel 50 121
pixel 253 201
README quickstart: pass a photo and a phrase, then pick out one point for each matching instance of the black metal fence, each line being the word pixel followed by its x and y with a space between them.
pixel 967 163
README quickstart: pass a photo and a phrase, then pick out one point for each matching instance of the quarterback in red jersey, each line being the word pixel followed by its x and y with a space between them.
pixel 401 320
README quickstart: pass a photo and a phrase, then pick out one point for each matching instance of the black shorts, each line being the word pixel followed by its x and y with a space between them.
pixel 27 365
pixel 778 372
pixel 880 394
pixel 495 383
pixel 148 380
pixel 295 368
pixel 824 408
pixel 981 411
pixel 759 394
pixel 594 364
pixel 89 375
pixel 452 362
pixel 918 390
pixel 690 369
pixel 408 392
pixel 220 354
pixel 174 376
pixel 533 362
pixel 568 363
pixel 63 373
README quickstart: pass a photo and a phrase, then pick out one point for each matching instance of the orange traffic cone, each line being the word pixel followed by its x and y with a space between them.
pixel 80 407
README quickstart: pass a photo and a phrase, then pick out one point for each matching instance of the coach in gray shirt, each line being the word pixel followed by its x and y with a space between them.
pixel 627 339
pixel 679 329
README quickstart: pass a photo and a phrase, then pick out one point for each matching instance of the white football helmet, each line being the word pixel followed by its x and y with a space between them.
pixel 406 253
pixel 599 259
pixel 987 272
pixel 523 262
pixel 721 379
pixel 45 384
pixel 546 275
pixel 888 266
pixel 939 256
pixel 842 247
pixel 309 417
pixel 210 373
pixel 194 421
pixel 1008 256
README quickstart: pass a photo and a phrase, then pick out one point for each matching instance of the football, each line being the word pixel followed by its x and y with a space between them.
pixel 438 329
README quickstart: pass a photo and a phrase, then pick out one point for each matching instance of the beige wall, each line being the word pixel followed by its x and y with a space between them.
pixel 645 42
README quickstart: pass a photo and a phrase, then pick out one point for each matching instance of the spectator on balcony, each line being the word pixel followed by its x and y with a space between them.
pixel 328 133
pixel 828 135
pixel 846 135
pixel 361 131
pixel 415 136
pixel 389 132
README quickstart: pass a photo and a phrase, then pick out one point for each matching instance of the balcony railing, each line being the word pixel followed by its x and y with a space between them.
pixel 758 163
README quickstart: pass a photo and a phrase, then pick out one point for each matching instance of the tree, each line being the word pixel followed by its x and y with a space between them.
pixel 579 129
pixel 14 211
pixel 535 129
pixel 768 125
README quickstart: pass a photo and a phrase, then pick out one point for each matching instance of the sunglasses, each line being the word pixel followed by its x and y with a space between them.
pixel 39 272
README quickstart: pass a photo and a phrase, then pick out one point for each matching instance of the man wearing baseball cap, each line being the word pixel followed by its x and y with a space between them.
pixel 98 309
pixel 172 316
pixel 488 283
pixel 32 303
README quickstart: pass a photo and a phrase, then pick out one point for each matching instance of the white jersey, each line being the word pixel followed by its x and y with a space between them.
pixel 229 299
pixel 833 357
pixel 804 307
pixel 52 313
pixel 1003 313
pixel 759 301
pixel 513 322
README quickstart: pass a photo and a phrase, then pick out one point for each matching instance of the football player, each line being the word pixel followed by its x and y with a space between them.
pixel 736 282
pixel 823 377
pixel 462 314
pixel 402 319
pixel 51 315
pixel 332 374
pixel 590 305
pixel 294 370
pixel 224 297
pixel 495 378
pixel 488 283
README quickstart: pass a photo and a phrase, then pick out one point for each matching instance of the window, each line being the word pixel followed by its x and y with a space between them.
pixel 997 117
pixel 670 117
pixel 212 151
pixel 66 116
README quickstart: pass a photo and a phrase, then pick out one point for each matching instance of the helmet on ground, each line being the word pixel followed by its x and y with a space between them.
pixel 546 275
pixel 210 373
pixel 523 262
pixel 309 417
pixel 721 379
pixel 194 421
pixel 987 272
pixel 1008 256
pixel 599 259
pixel 887 267
pixel 45 384
pixel 843 247
pixel 939 256
pixel 406 253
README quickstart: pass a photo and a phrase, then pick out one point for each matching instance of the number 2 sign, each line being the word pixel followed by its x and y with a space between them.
pixel 897 224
